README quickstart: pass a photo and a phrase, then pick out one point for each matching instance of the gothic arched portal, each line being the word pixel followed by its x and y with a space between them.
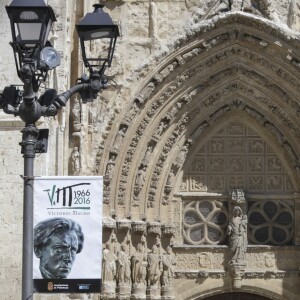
pixel 217 114
pixel 220 68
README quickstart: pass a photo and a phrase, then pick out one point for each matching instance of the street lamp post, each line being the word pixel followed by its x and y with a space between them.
pixel 31 22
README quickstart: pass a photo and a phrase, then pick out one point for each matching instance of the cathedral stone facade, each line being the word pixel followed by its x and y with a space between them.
pixel 197 137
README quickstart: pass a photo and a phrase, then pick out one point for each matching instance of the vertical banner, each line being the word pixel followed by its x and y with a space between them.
pixel 67 234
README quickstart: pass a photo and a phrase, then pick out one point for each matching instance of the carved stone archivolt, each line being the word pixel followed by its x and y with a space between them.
pixel 217 115
pixel 209 103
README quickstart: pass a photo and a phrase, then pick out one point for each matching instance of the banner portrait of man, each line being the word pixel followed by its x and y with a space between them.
pixel 57 241
pixel 67 227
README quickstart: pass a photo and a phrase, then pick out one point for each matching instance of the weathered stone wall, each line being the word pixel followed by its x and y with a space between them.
pixel 166 50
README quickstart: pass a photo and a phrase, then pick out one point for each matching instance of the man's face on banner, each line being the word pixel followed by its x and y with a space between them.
pixel 57 257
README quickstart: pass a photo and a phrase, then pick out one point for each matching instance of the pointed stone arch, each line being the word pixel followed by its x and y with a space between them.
pixel 222 66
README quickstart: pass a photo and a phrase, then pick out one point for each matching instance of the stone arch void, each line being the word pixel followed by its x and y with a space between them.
pixel 236 296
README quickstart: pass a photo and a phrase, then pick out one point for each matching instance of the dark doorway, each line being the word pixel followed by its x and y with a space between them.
pixel 237 296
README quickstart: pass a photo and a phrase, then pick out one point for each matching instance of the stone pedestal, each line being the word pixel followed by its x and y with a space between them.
pixel 153 293
pixel 167 293
pixel 237 272
pixel 108 290
pixel 138 291
pixel 123 292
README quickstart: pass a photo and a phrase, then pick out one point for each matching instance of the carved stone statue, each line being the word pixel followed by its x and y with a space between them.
pixel 93 113
pixel 154 267
pixel 75 160
pixel 109 169
pixel 138 272
pixel 294 15
pixel 238 196
pixel 108 270
pixel 168 263
pixel 170 182
pixel 110 165
pixel 182 154
pixel 123 267
pixel 139 264
pixel 148 154
pixel 140 177
pixel 171 114
pixel 76 112
pixel 119 138
pixel 237 231
pixel 161 128
pixel 133 110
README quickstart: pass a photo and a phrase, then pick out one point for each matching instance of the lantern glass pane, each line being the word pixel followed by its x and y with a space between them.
pixel 97 52
pixel 29 31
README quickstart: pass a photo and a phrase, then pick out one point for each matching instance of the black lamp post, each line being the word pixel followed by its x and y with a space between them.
pixel 31 22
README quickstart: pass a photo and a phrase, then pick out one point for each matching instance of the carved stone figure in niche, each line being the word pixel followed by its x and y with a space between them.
pixel 123 267
pixel 119 138
pixel 76 114
pixel 168 263
pixel 109 169
pixel 139 265
pixel 147 92
pixel 75 160
pixel 263 7
pixel 182 154
pixel 108 265
pixel 161 128
pixel 294 15
pixel 270 260
pixel 110 165
pixel 133 110
pixel 258 7
pixel 170 182
pixel 174 110
pixel 93 113
pixel 140 178
pixel 238 196
pixel 153 267
pixel 237 231
pixel 158 241
pixel 148 154
pixel 235 4
pixel 143 239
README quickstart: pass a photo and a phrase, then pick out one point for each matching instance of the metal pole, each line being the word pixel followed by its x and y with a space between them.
pixel 29 112
pixel 30 133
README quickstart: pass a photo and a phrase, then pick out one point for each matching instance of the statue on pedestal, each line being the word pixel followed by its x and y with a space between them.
pixel 138 271
pixel 108 273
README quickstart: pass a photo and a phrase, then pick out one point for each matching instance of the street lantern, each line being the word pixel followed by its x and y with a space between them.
pixel 31 21
pixel 98 25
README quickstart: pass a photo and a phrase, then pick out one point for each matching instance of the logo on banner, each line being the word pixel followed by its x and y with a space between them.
pixel 76 196
pixel 50 286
